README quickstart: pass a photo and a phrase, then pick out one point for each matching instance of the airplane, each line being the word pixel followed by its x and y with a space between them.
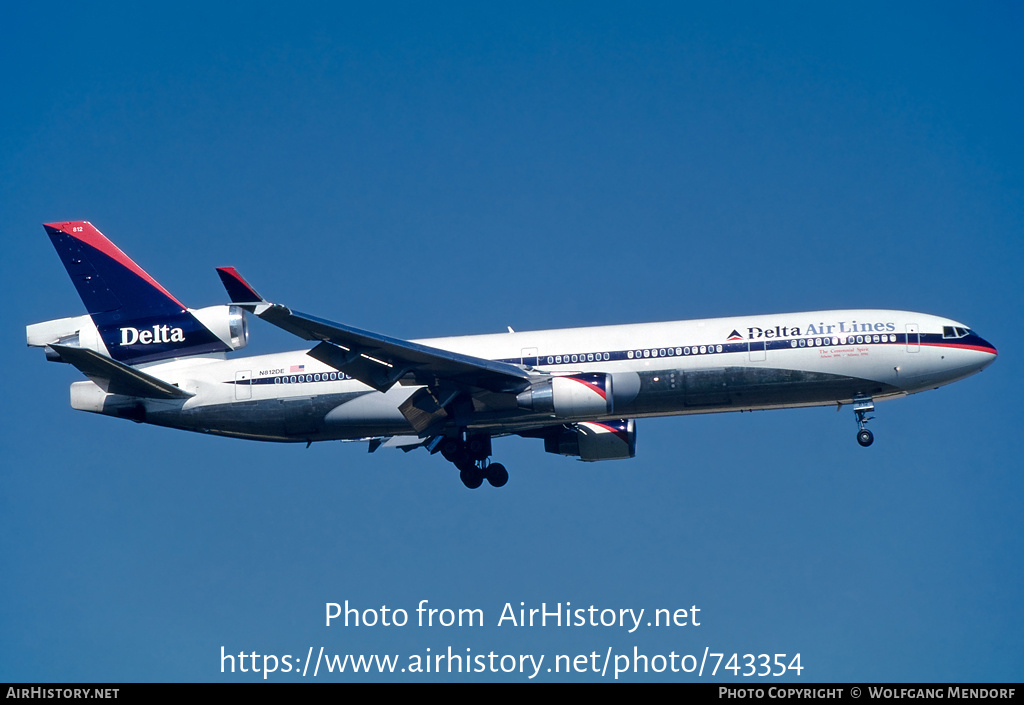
pixel 151 359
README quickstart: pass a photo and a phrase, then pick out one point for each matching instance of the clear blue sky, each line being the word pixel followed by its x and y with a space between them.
pixel 450 169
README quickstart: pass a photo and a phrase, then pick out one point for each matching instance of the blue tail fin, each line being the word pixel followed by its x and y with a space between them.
pixel 138 320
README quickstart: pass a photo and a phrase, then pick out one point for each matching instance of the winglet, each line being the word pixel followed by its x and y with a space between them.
pixel 239 290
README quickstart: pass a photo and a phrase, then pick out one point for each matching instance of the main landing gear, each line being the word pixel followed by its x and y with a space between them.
pixel 862 406
pixel 470 456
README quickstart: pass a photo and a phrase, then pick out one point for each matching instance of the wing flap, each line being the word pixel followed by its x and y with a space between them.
pixel 367 369
pixel 116 377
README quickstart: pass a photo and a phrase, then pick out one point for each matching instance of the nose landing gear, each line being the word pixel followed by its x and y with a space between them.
pixel 862 406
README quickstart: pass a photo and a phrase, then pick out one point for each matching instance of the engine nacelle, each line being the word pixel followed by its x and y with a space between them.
pixel 226 322
pixel 592 440
pixel 582 395
pixel 77 331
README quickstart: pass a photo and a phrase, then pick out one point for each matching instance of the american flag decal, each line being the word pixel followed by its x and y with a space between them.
pixel 297 368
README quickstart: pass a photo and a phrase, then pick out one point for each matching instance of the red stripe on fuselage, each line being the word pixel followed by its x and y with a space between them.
pixel 962 346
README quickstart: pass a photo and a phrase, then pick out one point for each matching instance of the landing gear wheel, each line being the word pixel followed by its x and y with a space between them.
pixel 862 406
pixel 497 475
pixel 471 478
pixel 865 437
pixel 451 449
pixel 470 457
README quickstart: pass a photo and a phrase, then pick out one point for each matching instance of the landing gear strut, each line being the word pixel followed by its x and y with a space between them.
pixel 862 406
pixel 470 456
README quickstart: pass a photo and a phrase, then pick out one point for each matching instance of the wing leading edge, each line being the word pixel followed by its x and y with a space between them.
pixel 380 361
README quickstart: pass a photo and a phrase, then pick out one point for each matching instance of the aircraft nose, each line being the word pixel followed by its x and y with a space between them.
pixel 985 346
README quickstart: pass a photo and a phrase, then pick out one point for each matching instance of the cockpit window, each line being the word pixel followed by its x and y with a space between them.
pixel 955 332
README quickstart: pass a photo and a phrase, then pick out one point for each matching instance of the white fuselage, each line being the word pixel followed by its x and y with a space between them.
pixel 658 369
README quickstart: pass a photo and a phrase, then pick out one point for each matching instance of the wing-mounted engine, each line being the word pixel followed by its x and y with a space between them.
pixel 571 396
pixel 591 440
pixel 585 395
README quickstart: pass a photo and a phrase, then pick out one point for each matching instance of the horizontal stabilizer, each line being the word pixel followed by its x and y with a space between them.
pixel 118 378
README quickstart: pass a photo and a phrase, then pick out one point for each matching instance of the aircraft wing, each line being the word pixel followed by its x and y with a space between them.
pixel 116 377
pixel 378 360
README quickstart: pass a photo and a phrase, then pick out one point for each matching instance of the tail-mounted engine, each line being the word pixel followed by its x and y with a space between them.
pixel 592 440
pixel 188 333
pixel 77 331
pixel 227 323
